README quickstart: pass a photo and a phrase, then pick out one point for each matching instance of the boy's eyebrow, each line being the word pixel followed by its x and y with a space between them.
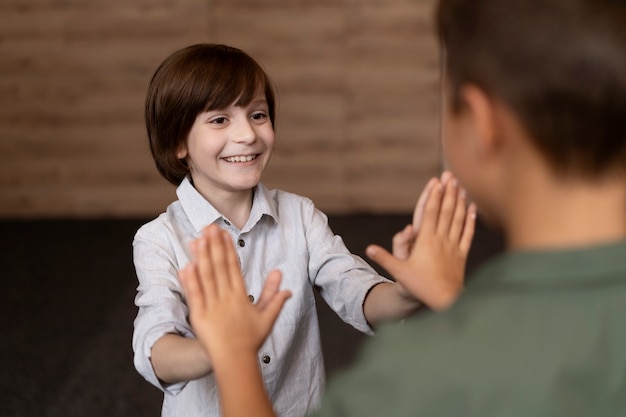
pixel 259 101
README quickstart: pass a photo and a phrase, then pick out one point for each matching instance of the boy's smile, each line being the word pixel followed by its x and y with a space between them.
pixel 240 158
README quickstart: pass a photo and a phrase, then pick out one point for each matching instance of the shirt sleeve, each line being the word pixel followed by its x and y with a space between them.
pixel 343 279
pixel 161 307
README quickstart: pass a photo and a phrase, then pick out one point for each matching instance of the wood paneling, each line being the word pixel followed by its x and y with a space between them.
pixel 358 90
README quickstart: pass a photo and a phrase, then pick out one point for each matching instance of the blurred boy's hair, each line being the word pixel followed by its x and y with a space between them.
pixel 559 65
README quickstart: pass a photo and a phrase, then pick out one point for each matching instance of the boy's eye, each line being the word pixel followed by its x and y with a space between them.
pixel 258 116
pixel 218 120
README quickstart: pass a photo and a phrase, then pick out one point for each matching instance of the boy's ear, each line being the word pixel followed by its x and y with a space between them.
pixel 181 153
pixel 482 111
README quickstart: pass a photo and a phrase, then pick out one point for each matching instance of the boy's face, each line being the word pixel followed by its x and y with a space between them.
pixel 461 142
pixel 228 149
pixel 455 148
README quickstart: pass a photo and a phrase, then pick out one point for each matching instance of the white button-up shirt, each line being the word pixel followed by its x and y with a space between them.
pixel 285 232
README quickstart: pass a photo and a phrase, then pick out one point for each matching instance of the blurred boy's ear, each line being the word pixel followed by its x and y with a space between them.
pixel 482 114
pixel 181 152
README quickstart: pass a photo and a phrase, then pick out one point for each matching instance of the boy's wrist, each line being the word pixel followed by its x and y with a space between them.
pixel 446 298
pixel 405 294
pixel 230 361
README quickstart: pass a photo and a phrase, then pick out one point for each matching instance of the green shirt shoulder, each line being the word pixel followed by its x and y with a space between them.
pixel 535 334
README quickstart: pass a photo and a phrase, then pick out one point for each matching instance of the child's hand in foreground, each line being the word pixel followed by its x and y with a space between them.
pixel 404 240
pixel 222 316
pixel 430 257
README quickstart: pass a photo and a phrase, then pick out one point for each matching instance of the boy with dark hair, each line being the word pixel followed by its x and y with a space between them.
pixel 210 118
pixel 535 130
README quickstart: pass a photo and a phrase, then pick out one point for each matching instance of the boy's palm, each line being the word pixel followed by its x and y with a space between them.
pixel 222 316
pixel 432 269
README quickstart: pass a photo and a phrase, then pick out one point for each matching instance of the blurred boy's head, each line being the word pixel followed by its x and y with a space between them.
pixel 191 81
pixel 558 68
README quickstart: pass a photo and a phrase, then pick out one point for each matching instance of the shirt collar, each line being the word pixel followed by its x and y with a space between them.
pixel 262 204
pixel 582 266
pixel 201 213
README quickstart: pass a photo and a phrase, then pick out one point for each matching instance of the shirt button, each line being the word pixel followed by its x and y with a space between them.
pixel 266 359
pixel 227 222
pixel 241 243
pixel 251 298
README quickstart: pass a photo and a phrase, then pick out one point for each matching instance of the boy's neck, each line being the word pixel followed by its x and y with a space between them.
pixel 551 213
pixel 235 206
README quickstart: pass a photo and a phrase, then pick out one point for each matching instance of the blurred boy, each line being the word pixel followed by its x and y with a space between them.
pixel 535 130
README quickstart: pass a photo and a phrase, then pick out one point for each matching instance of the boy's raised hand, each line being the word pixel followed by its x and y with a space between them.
pixel 432 267
pixel 403 241
pixel 222 316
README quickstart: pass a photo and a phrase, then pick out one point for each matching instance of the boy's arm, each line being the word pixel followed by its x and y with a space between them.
pixel 434 270
pixel 229 327
pixel 177 358
pixel 166 352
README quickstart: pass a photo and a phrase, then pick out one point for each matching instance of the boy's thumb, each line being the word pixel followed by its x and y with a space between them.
pixel 274 306
pixel 383 258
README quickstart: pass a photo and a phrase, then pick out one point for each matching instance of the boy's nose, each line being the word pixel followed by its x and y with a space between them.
pixel 244 133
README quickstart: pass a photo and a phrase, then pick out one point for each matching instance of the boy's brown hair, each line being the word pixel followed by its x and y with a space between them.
pixel 560 65
pixel 193 80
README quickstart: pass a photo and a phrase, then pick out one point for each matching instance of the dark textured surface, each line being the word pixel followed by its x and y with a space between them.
pixel 67 312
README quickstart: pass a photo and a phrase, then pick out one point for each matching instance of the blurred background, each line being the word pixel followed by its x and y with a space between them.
pixel 358 127
pixel 358 99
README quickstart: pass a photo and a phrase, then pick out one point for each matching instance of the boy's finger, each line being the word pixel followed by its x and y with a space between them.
pixel 272 309
pixel 270 289
pixel 403 235
pixel 204 268
pixel 192 288
pixel 418 213
pixel 468 229
pixel 233 269
pixel 431 209
pixel 193 247
pixel 448 206
pixel 446 176
pixel 194 266
pixel 384 259
pixel 458 219
pixel 217 251
pixel 402 241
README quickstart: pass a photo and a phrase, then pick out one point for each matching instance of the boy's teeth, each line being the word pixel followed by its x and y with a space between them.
pixel 240 158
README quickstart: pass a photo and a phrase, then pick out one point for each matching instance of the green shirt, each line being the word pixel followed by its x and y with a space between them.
pixel 534 334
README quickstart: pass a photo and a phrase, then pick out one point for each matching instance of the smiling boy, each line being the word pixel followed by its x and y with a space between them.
pixel 210 117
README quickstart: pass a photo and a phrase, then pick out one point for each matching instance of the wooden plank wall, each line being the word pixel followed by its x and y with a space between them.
pixel 357 80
